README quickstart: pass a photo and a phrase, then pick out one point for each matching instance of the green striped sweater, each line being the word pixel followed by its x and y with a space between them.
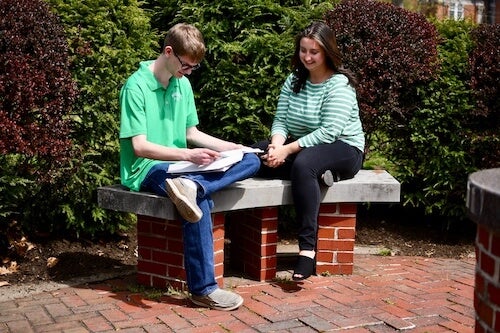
pixel 319 113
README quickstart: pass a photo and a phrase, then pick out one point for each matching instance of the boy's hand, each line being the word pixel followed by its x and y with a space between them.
pixel 203 156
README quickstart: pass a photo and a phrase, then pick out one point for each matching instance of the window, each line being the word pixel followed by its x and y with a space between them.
pixel 456 11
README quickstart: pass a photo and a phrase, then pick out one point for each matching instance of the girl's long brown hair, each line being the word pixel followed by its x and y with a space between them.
pixel 325 36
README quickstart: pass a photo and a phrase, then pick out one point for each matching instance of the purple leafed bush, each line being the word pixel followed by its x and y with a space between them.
pixel 392 51
pixel 484 63
pixel 36 88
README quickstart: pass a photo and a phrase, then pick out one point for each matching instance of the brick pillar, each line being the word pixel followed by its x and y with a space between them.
pixel 218 220
pixel 161 252
pixel 483 207
pixel 336 233
pixel 254 239
pixel 487 286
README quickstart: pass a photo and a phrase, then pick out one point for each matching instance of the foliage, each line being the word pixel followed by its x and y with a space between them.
pixel 392 50
pixel 484 63
pixel 435 119
pixel 250 44
pixel 432 149
pixel 107 40
pixel 36 97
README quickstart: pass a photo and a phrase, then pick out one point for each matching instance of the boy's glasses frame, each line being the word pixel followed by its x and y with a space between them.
pixel 185 66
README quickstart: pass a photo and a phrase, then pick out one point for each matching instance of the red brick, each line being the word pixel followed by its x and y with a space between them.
pixel 495 245
pixel 480 284
pixel 326 232
pixel 487 264
pixel 331 208
pixel 268 262
pixel 483 237
pixel 218 233
pixel 167 258
pixel 264 212
pixel 176 272
pixel 335 245
pixel 497 321
pixel 219 270
pixel 483 311
pixel 268 237
pixel 151 267
pixel 144 253
pixel 336 221
pixel 268 250
pixel 98 325
pixel 143 279
pixel 324 256
pixel 219 245
pixel 218 219
pixel 114 315
pixel 143 226
pixel 346 208
pixel 158 228
pixel 175 245
pixel 175 322
pixel 151 242
pixel 494 293
pixel 345 257
pixel 344 233
pixel 334 269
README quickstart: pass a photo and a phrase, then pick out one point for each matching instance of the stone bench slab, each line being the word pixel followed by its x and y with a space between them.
pixel 376 186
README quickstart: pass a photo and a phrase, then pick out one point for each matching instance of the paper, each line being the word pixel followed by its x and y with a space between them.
pixel 224 162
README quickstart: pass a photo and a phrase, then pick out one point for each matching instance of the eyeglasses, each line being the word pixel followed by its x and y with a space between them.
pixel 185 66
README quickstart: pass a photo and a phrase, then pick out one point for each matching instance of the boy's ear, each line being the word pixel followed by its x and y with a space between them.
pixel 168 50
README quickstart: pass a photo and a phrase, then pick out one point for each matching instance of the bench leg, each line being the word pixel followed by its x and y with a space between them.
pixel 254 239
pixel 161 252
pixel 336 233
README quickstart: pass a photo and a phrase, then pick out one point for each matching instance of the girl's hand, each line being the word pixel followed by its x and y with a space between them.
pixel 275 156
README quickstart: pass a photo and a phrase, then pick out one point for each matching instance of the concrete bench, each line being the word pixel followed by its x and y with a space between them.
pixel 251 209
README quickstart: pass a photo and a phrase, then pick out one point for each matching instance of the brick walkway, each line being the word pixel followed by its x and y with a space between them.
pixel 385 294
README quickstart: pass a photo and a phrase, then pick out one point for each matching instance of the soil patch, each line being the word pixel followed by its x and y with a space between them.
pixel 392 229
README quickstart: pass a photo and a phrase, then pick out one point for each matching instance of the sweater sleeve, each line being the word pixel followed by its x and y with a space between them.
pixel 280 119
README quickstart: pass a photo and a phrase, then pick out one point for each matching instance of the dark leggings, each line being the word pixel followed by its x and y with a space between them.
pixel 304 169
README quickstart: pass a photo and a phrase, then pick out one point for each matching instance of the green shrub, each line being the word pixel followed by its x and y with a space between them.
pixel 432 151
pixel 36 97
pixel 250 44
pixel 107 40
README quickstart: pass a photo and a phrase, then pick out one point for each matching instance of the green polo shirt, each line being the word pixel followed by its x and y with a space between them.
pixel 163 115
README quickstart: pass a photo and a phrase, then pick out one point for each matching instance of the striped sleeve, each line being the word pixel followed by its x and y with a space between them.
pixel 335 113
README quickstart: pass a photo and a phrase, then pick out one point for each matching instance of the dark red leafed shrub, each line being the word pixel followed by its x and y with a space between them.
pixel 391 49
pixel 484 63
pixel 36 89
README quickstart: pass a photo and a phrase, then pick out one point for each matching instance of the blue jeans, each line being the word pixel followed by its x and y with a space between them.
pixel 198 237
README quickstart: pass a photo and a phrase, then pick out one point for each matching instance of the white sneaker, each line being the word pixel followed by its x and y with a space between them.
pixel 182 192
pixel 219 299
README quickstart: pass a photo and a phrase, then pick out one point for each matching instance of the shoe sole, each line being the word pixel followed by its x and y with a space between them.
pixel 327 178
pixel 231 308
pixel 181 202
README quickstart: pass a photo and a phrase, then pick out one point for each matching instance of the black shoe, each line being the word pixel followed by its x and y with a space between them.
pixel 304 268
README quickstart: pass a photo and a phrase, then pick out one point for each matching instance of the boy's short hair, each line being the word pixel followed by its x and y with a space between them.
pixel 186 40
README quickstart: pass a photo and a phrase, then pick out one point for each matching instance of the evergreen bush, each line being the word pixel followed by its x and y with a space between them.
pixel 106 40
pixel 249 48
pixel 433 150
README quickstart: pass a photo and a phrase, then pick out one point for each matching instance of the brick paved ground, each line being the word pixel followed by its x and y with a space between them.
pixel 385 294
